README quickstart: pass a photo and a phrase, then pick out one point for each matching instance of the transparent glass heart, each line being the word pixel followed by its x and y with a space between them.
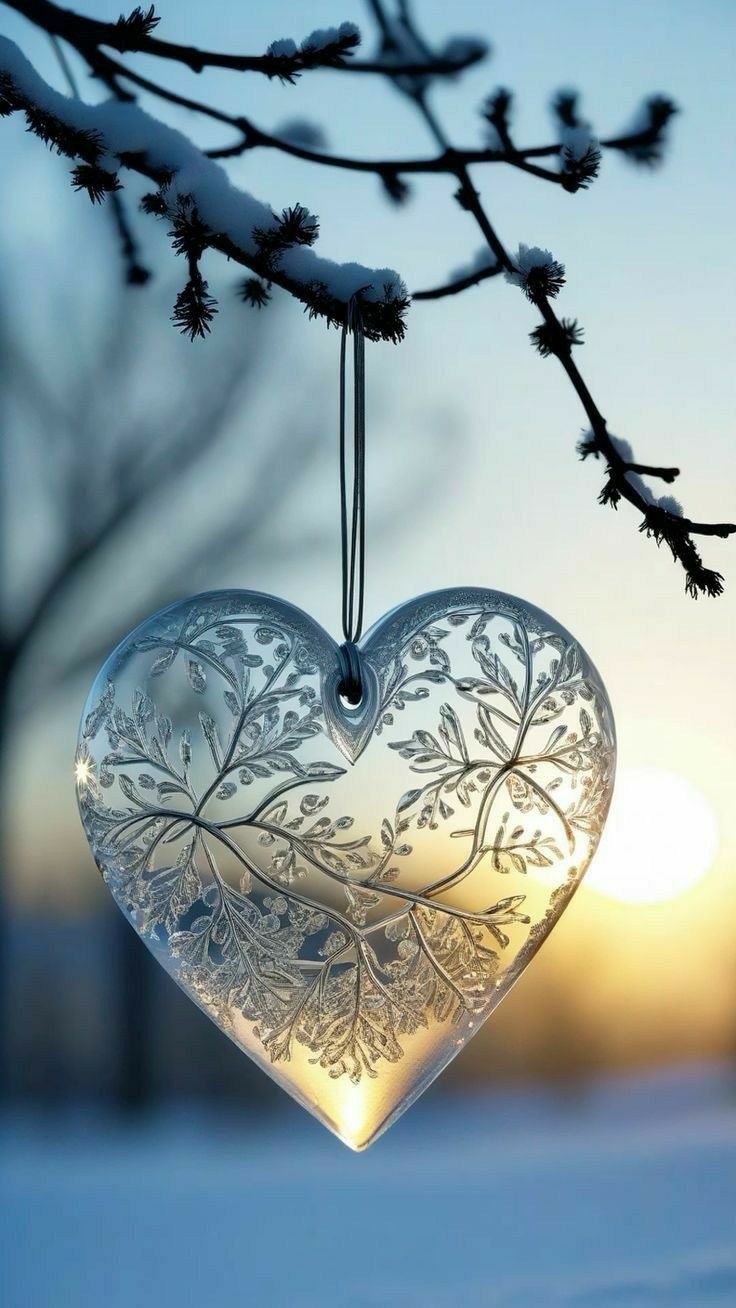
pixel 348 892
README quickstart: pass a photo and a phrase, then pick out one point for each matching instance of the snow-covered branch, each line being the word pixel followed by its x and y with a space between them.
pixel 194 195
pixel 195 190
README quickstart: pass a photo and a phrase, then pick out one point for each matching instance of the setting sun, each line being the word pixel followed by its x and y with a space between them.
pixel 660 839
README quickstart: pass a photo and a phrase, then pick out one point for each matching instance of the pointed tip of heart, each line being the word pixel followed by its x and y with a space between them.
pixel 356 1146
pixel 360 1137
pixel 354 1116
pixel 353 1125
pixel 359 1115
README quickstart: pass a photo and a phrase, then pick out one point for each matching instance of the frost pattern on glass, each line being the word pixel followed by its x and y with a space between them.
pixel 339 879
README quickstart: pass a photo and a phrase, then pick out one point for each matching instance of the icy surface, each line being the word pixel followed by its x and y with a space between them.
pixel 618 1197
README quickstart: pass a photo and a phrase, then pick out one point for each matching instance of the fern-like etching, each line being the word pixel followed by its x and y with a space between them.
pixel 334 904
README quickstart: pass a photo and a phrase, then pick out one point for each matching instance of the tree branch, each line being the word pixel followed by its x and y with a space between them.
pixel 337 55
pixel 201 204
pixel 252 136
pixel 124 35
pixel 458 284
pixel 195 189
pixel 664 525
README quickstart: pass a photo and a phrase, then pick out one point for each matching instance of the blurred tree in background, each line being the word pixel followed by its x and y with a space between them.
pixel 107 478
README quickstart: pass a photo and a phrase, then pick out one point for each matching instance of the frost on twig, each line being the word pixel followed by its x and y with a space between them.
pixel 558 336
pixel 663 515
pixel 536 272
pixel 633 474
pixel 132 29
pixel 580 158
pixel 117 134
pixel 323 48
pixel 643 141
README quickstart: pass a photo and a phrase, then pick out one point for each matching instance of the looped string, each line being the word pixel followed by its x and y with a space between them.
pixel 352 505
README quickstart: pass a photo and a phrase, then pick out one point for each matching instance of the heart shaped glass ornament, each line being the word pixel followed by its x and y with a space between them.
pixel 347 891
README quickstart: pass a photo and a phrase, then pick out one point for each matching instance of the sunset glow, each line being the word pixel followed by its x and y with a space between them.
pixel 660 840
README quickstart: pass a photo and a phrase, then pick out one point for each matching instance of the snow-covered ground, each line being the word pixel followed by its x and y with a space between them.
pixel 622 1195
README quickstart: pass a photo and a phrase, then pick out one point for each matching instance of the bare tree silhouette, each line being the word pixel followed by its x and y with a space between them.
pixel 120 448
pixel 105 459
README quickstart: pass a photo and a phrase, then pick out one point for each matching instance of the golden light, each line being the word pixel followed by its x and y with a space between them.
pixel 660 840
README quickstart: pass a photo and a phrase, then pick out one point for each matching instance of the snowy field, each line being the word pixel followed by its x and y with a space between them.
pixel 621 1197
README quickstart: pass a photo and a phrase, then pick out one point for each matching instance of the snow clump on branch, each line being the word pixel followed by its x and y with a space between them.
pixel 536 272
pixel 323 37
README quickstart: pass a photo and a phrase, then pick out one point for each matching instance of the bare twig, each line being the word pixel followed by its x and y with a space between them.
pixel 458 284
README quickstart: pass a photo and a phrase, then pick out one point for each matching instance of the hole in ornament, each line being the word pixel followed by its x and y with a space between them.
pixel 350 695
pixel 350 686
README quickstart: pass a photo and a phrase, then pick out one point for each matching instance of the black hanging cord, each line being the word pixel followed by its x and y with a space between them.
pixel 352 509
